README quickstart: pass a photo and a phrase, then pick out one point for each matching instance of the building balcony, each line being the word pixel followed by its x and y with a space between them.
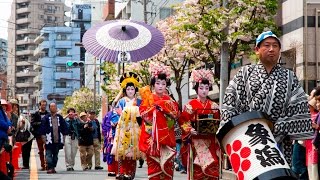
pixel 37 79
pixel 39 39
pixel 62 60
pixel 23 10
pixel 38 51
pixel 23 20
pixel 26 41
pixel 23 1
pixel 66 90
pixel 27 31
pixel 25 63
pixel 26 85
pixel 24 52
pixel 37 65
pixel 63 44
pixel 63 75
pixel 26 74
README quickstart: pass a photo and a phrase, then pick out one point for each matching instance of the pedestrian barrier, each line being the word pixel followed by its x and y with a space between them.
pixel 4 158
pixel 16 152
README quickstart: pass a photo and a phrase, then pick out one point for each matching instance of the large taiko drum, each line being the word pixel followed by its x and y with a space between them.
pixel 252 149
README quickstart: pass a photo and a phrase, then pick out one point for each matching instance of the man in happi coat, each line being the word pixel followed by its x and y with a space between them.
pixel 270 88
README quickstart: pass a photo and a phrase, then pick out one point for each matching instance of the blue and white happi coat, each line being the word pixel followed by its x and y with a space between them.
pixel 47 130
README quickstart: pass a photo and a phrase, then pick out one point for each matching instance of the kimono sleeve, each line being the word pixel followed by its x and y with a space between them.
pixel 231 101
pixel 106 125
pixel 146 112
pixel 185 119
pixel 296 120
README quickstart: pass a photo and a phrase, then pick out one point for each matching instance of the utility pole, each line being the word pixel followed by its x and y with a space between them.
pixel 145 11
pixel 94 83
pixel 224 71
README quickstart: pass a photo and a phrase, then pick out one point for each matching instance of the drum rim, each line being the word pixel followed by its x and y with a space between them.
pixel 277 174
pixel 236 120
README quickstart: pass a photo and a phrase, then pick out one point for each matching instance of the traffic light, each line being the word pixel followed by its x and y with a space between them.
pixel 74 64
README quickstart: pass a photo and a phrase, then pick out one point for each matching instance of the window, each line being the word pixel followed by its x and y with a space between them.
pixel 49 19
pixel 61 69
pixel 46 52
pixel 41 6
pixel 61 84
pixel 165 12
pixel 61 52
pixel 41 16
pixel 62 37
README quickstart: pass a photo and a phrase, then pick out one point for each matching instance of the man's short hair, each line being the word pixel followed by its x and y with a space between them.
pixel 42 101
pixel 92 112
pixel 71 109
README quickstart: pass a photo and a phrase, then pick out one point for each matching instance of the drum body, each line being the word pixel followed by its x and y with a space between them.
pixel 252 149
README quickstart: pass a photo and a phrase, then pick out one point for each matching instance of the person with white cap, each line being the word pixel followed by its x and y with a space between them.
pixel 272 89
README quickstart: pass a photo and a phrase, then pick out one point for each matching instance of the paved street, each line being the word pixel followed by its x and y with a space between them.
pixel 78 174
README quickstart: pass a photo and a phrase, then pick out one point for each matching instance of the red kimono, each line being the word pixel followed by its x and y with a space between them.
pixel 157 139
pixel 199 152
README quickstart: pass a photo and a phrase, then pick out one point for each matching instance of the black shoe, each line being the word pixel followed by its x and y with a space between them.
pixel 25 167
pixel 72 169
pixel 98 168
pixel 140 166
pixel 112 174
pixel 69 169
pixel 127 177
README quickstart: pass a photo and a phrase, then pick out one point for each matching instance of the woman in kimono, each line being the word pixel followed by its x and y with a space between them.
pixel 108 132
pixel 199 150
pixel 125 147
pixel 159 113
pixel 311 151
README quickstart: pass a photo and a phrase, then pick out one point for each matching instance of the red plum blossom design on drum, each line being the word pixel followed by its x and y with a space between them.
pixel 238 157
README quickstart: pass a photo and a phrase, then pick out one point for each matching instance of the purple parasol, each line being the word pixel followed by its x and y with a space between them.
pixel 123 40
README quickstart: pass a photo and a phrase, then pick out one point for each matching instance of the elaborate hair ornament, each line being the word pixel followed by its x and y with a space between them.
pixel 198 75
pixel 156 68
pixel 129 78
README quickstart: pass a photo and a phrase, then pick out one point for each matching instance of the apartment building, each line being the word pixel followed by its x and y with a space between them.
pixel 4 89
pixel 56 46
pixel 27 18
pixel 300 40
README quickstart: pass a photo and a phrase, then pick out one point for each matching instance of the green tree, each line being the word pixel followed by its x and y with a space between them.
pixel 111 81
pixel 81 100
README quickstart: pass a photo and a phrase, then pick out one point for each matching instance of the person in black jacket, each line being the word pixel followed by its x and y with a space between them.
pixel 96 138
pixel 85 141
pixel 35 129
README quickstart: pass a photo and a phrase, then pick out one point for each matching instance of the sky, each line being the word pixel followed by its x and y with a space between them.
pixel 5 9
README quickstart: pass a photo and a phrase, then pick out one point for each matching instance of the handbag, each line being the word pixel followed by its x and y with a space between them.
pixel 22 136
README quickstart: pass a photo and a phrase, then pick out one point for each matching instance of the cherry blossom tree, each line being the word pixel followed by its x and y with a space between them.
pixel 81 100
pixel 205 21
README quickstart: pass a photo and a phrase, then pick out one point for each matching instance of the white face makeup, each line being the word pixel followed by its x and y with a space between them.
pixel 203 90
pixel 130 92
pixel 160 86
